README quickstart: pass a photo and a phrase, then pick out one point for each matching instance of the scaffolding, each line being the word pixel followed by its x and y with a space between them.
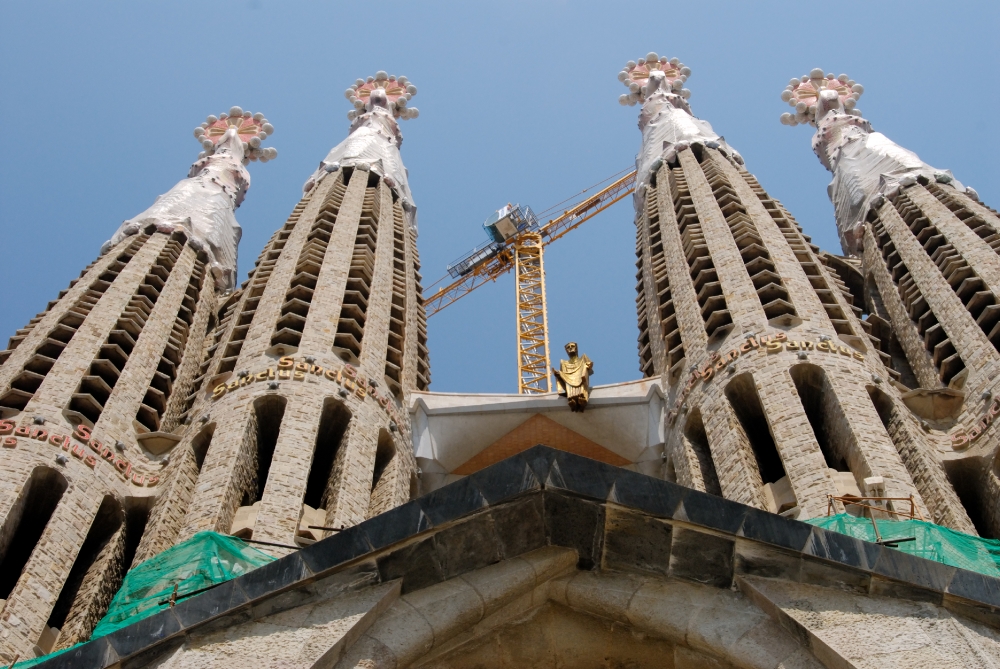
pixel 532 328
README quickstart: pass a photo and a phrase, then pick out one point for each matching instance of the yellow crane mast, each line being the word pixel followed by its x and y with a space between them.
pixel 517 241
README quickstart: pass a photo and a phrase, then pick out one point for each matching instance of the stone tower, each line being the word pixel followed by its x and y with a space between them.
pixel 94 390
pixel 928 251
pixel 299 425
pixel 777 396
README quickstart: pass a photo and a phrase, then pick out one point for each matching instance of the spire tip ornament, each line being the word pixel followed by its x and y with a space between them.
pixel 383 90
pixel 637 75
pixel 815 94
pixel 250 128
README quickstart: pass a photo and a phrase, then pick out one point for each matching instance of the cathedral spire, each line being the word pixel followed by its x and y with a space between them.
pixel 203 205
pixel 666 120
pixel 374 137
pixel 867 166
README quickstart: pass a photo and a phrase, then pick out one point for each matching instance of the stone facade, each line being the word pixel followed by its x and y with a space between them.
pixel 87 386
pixel 302 389
pixel 147 404
pixel 779 396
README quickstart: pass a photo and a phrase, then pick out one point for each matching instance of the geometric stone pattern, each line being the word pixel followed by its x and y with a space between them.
pixel 931 263
pixel 747 417
pixel 83 386
pixel 335 296
pixel 539 430
pixel 575 545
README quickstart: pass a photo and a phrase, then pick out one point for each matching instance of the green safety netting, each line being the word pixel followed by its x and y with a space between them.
pixel 932 542
pixel 205 559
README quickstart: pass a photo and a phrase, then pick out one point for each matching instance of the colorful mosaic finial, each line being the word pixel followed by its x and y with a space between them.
pixel 636 75
pixel 805 94
pixel 251 129
pixel 383 90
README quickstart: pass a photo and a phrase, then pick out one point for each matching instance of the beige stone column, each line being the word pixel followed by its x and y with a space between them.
pixel 55 392
pixel 735 463
pixel 224 472
pixel 268 311
pixel 30 603
pixel 969 245
pixel 963 332
pixel 120 410
pixel 793 436
pixel 281 504
pixel 376 339
pixel 902 325
pixel 741 297
pixel 689 319
pixel 801 293
pixel 858 428
pixel 353 468
pixel 413 304
pixel 324 310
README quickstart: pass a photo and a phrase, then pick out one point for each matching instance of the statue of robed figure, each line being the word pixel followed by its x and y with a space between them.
pixel 573 378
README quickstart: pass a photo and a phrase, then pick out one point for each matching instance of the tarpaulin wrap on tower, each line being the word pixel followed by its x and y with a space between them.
pixel 932 542
pixel 865 165
pixel 373 144
pixel 203 206
pixel 204 560
pixel 667 127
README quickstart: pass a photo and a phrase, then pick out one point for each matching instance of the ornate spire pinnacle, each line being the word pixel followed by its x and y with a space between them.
pixel 638 76
pixel 867 166
pixel 383 90
pixel 374 138
pixel 250 128
pixel 666 120
pixel 203 205
pixel 814 94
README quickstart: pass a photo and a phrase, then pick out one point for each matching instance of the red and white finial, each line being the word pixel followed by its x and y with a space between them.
pixel 384 90
pixel 805 92
pixel 250 128
pixel 635 76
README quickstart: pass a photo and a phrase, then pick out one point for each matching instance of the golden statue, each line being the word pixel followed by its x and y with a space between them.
pixel 573 378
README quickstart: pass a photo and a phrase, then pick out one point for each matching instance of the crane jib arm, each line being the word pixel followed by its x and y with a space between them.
pixel 499 263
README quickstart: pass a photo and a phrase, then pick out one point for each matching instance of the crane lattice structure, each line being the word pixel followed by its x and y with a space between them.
pixel 517 242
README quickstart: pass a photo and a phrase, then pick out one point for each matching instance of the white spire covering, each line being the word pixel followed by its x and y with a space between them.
pixel 203 205
pixel 666 121
pixel 374 138
pixel 866 165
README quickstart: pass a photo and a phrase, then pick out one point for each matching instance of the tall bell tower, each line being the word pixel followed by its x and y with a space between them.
pixel 94 393
pixel 778 397
pixel 300 424
pixel 929 251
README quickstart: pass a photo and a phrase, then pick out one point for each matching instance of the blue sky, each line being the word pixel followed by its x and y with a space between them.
pixel 518 103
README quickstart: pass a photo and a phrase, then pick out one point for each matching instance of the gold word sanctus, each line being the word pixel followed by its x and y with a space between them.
pixel 295 369
pixel 81 434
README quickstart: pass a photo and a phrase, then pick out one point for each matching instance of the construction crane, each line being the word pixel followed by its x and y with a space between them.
pixel 517 241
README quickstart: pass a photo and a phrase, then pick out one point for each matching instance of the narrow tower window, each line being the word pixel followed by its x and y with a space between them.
pixel 332 427
pixel 817 396
pixel 697 439
pixel 268 411
pixel 384 475
pixel 26 522
pixel 742 395
pixel 93 563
